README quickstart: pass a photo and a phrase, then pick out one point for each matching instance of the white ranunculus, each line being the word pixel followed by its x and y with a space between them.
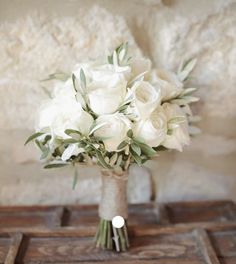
pixel 154 129
pixel 106 86
pixel 179 134
pixel 168 82
pixel 114 130
pixel 146 98
pixel 60 114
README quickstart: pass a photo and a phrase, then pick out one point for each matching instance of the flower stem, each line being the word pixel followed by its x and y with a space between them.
pixel 109 237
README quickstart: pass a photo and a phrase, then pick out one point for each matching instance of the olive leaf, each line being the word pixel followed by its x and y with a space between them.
pixel 188 91
pixel 150 152
pixel 34 136
pixel 61 76
pixel 186 69
pixel 69 132
pixel 136 158
pixel 55 165
pixel 136 148
pixel 82 80
pixel 130 133
pixel 102 160
pixel 110 59
pixel 74 82
pixel 122 145
pixel 75 179
pixel 45 153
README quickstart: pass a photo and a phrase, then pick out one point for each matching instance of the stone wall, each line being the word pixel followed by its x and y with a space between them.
pixel 37 38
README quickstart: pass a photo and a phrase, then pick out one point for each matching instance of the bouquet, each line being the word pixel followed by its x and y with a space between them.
pixel 113 114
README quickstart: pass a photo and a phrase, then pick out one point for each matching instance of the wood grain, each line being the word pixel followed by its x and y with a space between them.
pixel 14 247
pixel 174 233
pixel 206 247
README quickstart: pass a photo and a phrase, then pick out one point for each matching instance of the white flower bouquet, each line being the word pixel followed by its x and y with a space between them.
pixel 114 114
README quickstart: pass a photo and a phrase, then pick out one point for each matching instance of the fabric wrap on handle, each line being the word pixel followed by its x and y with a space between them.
pixel 114 195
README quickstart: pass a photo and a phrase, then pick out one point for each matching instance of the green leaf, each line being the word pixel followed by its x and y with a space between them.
pixel 136 148
pixel 130 133
pixel 32 137
pixel 187 69
pixel 75 179
pixel 55 165
pixel 40 145
pixel 102 160
pixel 190 99
pixel 61 76
pixel 177 120
pixel 122 145
pixel 70 141
pixel 160 148
pixel 110 59
pixel 82 79
pixel 46 139
pixel 188 91
pixel 72 131
pixel 74 82
pixel 45 153
pixel 119 48
pixel 113 159
pixel 136 158
pixel 122 108
pixel 150 152
pixel 119 160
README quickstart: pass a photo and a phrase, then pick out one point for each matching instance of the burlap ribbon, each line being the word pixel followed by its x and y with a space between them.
pixel 114 195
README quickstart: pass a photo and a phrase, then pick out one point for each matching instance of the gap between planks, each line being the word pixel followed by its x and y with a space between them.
pixel 206 247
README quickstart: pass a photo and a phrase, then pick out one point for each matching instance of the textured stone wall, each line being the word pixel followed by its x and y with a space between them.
pixel 37 38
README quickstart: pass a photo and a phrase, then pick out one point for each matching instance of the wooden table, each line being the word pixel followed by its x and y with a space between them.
pixel 183 233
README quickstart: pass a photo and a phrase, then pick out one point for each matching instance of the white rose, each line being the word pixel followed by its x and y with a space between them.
pixel 179 134
pixel 169 83
pixel 140 66
pixel 153 130
pixel 60 114
pixel 114 130
pixel 64 90
pixel 106 86
pixel 146 98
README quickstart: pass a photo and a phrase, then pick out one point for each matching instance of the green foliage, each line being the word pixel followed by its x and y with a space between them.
pixel 119 56
pixel 75 179
pixel 33 137
pixel 82 80
pixel 61 76
pixel 55 165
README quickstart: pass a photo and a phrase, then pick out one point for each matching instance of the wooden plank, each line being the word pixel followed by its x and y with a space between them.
pixel 139 214
pixel 14 247
pixel 143 230
pixel 149 261
pixel 204 211
pixel 63 249
pixel 224 243
pixel 5 243
pixel 206 247
pixel 13 217
pixel 162 214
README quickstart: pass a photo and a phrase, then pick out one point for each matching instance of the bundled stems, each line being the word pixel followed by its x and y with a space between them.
pixel 109 237
pixel 113 203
